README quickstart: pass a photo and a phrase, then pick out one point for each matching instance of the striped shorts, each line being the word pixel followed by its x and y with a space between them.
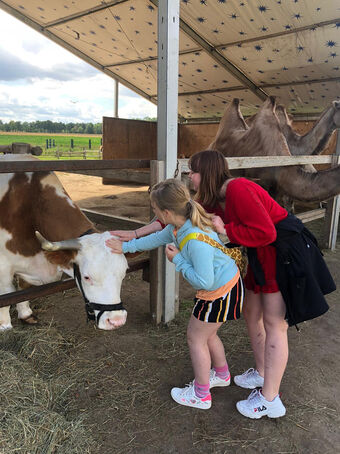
pixel 228 307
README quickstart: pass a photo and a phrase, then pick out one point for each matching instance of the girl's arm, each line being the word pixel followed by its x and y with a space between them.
pixel 146 243
pixel 126 235
pixel 199 272
pixel 149 242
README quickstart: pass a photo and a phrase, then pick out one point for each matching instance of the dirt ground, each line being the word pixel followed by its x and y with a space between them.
pixel 126 401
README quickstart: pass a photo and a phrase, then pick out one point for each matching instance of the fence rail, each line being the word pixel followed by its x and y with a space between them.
pixel 85 154
pixel 270 161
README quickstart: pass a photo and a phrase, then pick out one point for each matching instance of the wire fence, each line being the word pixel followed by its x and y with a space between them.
pixel 70 154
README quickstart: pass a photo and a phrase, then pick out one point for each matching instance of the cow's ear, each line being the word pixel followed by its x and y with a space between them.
pixel 63 258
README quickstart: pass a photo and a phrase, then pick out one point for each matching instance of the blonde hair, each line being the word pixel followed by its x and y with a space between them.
pixel 174 196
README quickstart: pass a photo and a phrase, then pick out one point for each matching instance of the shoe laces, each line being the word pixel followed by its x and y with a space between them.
pixel 188 389
pixel 254 394
pixel 250 371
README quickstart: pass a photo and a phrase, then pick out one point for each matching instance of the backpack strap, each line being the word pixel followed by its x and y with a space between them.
pixel 235 253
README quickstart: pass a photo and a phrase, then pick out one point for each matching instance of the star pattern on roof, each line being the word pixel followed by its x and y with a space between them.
pixel 270 41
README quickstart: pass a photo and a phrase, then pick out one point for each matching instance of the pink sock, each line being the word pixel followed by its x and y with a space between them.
pixel 201 390
pixel 222 372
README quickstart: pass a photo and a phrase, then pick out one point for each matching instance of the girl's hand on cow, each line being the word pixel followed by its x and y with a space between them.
pixel 219 225
pixel 124 235
pixel 115 245
pixel 171 251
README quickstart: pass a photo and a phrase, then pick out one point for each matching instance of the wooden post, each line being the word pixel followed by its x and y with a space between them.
pixel 116 100
pixel 333 209
pixel 157 258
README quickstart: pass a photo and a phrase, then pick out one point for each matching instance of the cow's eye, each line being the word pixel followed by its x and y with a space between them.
pixel 87 278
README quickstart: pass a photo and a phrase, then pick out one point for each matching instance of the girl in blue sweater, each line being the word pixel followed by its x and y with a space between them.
pixel 193 246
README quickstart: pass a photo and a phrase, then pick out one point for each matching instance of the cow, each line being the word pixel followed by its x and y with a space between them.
pixel 33 202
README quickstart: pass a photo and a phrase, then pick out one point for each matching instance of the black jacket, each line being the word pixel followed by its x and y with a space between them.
pixel 301 272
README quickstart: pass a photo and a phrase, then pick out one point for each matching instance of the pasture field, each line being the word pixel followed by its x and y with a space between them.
pixel 62 141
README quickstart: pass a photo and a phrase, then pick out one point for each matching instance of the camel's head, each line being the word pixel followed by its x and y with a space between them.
pixel 336 118
pixel 282 115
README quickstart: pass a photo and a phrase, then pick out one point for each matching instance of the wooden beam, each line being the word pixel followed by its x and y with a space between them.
pixel 118 176
pixel 68 166
pixel 330 232
pixel 311 215
pixel 112 222
pixel 157 260
pixel 268 161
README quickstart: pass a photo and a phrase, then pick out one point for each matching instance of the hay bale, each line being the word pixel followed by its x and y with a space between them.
pixel 33 416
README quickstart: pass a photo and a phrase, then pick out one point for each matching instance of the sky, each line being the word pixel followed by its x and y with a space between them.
pixel 40 80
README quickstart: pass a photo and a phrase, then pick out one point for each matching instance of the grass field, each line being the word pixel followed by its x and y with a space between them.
pixel 61 142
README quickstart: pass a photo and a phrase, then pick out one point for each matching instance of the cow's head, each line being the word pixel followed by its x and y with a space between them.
pixel 101 272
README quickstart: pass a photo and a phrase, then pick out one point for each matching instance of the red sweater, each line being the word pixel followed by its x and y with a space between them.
pixel 250 216
pixel 250 213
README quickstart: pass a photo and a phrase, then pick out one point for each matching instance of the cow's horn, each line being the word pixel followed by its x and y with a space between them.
pixel 57 245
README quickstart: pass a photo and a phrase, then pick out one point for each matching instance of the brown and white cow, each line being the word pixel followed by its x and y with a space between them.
pixel 37 201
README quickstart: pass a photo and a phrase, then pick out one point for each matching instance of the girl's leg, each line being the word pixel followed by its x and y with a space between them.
pixel 253 315
pixel 216 350
pixel 198 335
pixel 276 345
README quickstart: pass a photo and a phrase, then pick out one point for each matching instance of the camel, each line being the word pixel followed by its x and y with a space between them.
pixel 315 140
pixel 264 137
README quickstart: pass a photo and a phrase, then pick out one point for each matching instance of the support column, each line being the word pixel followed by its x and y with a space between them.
pixel 333 209
pixel 115 107
pixel 167 117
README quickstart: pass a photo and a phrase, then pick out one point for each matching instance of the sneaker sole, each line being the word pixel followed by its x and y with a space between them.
pixel 205 407
pixel 254 416
pixel 221 385
pixel 247 386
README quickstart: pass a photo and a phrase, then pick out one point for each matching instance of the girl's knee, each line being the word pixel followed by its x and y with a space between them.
pixel 275 323
pixel 252 315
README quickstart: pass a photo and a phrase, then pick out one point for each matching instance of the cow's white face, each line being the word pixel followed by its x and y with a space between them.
pixel 102 274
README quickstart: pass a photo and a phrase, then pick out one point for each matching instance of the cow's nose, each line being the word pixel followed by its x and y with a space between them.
pixel 116 322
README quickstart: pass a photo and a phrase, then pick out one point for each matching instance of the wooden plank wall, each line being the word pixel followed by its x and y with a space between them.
pixel 127 139
pixel 195 137
pixel 136 139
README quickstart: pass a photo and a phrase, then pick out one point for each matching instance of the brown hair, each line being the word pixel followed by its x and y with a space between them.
pixel 214 171
pixel 173 195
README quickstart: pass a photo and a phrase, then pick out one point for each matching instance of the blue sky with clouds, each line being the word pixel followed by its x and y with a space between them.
pixel 39 80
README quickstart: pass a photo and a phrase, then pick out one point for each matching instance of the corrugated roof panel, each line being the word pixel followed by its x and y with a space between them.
pixel 45 11
pixel 307 98
pixel 209 105
pixel 226 21
pixel 287 48
pixel 309 55
pixel 199 71
pixel 142 75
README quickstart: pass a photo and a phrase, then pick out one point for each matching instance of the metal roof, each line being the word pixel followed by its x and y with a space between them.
pixel 228 48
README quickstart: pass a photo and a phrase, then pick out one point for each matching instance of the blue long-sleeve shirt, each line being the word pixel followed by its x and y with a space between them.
pixel 205 267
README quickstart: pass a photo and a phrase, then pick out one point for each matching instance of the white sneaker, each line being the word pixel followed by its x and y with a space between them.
pixel 215 381
pixel 250 379
pixel 186 396
pixel 257 406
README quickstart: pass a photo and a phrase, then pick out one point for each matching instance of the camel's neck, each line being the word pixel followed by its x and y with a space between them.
pixel 314 141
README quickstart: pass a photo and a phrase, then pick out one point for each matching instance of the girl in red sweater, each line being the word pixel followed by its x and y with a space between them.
pixel 246 213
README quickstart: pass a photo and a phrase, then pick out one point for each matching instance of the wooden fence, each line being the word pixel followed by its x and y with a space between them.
pixel 109 169
pixel 85 154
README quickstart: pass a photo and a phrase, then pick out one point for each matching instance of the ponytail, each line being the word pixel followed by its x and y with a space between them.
pixel 200 218
pixel 173 195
